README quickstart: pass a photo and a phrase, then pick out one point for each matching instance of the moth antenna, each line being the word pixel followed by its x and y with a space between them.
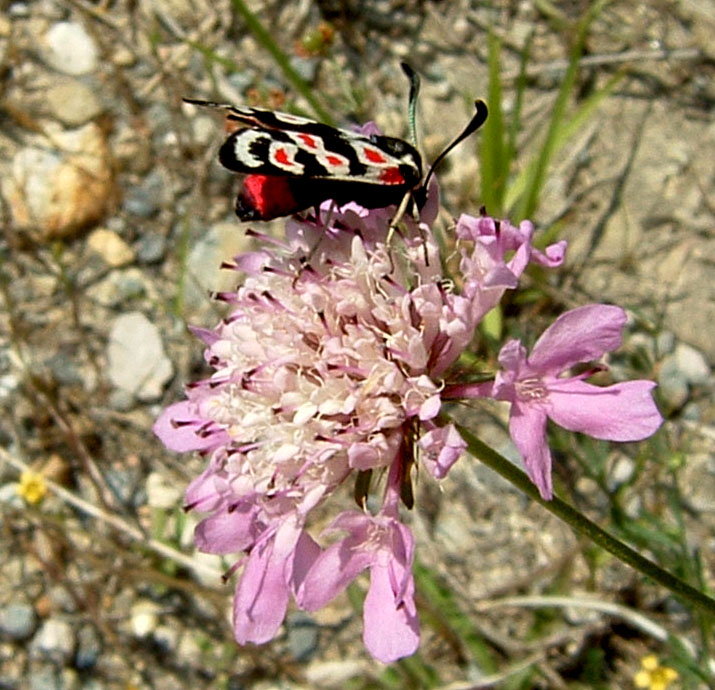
pixel 478 119
pixel 412 107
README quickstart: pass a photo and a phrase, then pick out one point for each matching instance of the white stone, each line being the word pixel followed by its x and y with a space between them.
pixel 70 49
pixel 144 618
pixel 73 103
pixel 692 364
pixel 135 353
pixel 54 640
pixel 61 185
pixel 161 493
pixel 111 247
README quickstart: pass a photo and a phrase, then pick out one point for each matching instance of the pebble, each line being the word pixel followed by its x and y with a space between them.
pixel 62 185
pixel 151 248
pixel 73 103
pixel 190 648
pixel 691 363
pixel 643 345
pixel 119 287
pixel 65 369
pixel 664 343
pixel 18 10
pixel 55 641
pixel 241 80
pixel 672 384
pixel 10 497
pixel 307 68
pixel 9 383
pixel 692 411
pixel 70 49
pixel 136 359
pixel 144 618
pixel 17 621
pixel 203 130
pixel 166 637
pixel 123 57
pixel 162 493
pixel 111 247
pixel 121 401
pixel 94 684
pixel 124 482
pixel 46 678
pixel 302 636
pixel 145 199
pixel 335 674
pixel 620 472
pixel 220 243
pixel 699 476
pixel 60 597
pixel 89 648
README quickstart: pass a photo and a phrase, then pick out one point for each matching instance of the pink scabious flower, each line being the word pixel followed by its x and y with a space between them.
pixel 537 389
pixel 328 368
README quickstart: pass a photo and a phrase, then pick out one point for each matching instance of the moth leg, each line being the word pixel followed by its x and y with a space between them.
pixel 401 210
pixel 305 260
pixel 397 217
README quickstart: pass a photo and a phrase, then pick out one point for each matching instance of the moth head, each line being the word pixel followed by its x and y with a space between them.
pixel 408 156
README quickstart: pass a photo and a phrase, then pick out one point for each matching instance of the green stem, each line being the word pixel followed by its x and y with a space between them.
pixel 266 40
pixel 582 524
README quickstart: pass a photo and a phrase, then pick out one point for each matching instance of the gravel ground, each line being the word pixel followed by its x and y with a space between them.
pixel 117 217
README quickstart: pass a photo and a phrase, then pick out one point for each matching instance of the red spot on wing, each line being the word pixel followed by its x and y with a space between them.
pixel 308 141
pixel 265 197
pixel 334 161
pixel 392 176
pixel 374 156
pixel 282 157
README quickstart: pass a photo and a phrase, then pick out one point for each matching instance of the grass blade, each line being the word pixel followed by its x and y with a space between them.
pixel 266 40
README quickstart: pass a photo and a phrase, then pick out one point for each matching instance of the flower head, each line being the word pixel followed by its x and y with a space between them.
pixel 322 371
pixel 32 487
pixel 653 676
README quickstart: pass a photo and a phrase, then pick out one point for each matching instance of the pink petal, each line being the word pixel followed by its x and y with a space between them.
pixel 430 408
pixel 501 277
pixel 552 257
pixel 333 571
pixel 227 532
pixel 179 428
pixel 520 260
pixel 262 596
pixel 390 628
pixel 441 448
pixel 527 427
pixel 579 335
pixel 207 491
pixel 622 412
pixel 306 553
pixel 252 262
pixel 363 456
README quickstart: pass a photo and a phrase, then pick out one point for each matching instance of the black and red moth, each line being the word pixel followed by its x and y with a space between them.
pixel 293 163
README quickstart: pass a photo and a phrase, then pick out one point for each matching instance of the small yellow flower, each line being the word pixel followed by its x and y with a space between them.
pixel 654 676
pixel 32 486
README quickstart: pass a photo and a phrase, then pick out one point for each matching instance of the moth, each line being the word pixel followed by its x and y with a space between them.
pixel 292 163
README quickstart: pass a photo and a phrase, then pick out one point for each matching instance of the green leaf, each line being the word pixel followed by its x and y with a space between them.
pixel 494 167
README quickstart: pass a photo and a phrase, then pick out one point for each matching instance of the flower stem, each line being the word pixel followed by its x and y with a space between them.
pixel 582 524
